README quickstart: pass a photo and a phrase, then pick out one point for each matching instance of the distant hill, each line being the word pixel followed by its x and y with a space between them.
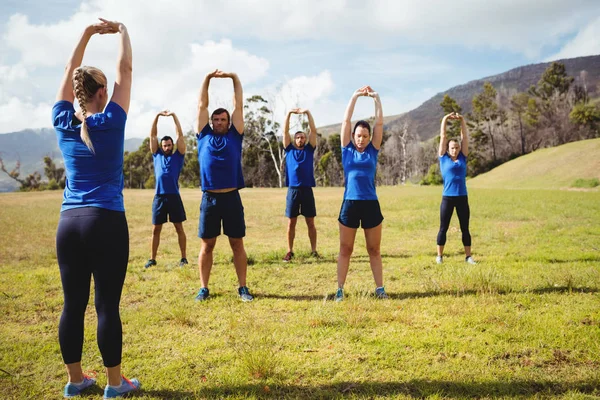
pixel 549 168
pixel 426 118
pixel 335 128
pixel 29 147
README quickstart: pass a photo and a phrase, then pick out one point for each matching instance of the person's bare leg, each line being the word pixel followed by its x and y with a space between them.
pixel 291 233
pixel 205 260
pixel 156 229
pixel 312 233
pixel 74 372
pixel 440 250
pixel 240 260
pixel 113 375
pixel 373 239
pixel 181 238
pixel 347 236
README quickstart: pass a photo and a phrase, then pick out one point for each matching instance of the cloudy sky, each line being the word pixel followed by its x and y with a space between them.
pixel 307 53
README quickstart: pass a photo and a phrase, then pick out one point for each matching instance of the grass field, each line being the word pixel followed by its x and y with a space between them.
pixel 524 322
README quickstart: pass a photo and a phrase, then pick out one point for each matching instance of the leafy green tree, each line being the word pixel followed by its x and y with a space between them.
pixel 553 103
pixel 263 154
pixel 486 112
pixel 587 116
pixel 190 172
pixel 449 105
pixel 138 167
pixel 56 176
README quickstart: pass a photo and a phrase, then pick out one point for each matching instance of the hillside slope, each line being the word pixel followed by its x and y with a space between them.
pixel 550 168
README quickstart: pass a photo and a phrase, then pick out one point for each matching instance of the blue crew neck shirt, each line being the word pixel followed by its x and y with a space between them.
pixel 454 174
pixel 220 159
pixel 167 170
pixel 299 170
pixel 359 172
pixel 93 179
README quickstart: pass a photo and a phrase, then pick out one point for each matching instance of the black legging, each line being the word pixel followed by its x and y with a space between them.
pixel 92 241
pixel 462 210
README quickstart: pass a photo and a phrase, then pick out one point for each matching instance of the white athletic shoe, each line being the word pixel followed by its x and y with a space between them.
pixel 470 260
pixel 439 259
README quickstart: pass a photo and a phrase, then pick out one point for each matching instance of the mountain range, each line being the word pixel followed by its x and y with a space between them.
pixel 425 119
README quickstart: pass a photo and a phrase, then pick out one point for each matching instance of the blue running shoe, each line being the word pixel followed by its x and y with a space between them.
pixel 149 263
pixel 245 294
pixel 202 294
pixel 126 386
pixel 339 295
pixel 380 293
pixel 74 389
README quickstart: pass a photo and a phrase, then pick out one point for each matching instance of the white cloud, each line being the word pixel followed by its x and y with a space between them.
pixel 16 115
pixel 586 43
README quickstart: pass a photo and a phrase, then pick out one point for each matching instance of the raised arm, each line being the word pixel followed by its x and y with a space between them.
pixel 345 132
pixel 65 90
pixel 154 134
pixel 464 136
pixel 180 141
pixel 378 128
pixel 122 90
pixel 286 128
pixel 312 133
pixel 443 138
pixel 237 116
pixel 202 119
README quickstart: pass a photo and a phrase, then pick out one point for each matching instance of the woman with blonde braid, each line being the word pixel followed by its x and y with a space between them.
pixel 92 237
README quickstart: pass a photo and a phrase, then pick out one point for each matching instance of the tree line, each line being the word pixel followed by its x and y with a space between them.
pixel 502 125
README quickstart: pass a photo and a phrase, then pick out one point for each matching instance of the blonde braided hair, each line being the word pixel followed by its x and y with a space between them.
pixel 86 82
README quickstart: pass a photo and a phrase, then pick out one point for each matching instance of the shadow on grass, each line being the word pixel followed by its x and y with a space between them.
pixel 293 297
pixel 422 295
pixel 300 259
pixel 416 388
pixel 583 258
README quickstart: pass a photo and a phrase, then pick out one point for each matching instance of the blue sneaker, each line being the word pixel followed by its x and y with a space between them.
pixel 339 295
pixel 74 389
pixel 245 294
pixel 126 386
pixel 380 293
pixel 149 263
pixel 202 294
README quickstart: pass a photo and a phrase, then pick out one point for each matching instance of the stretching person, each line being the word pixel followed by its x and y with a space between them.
pixel 167 200
pixel 92 237
pixel 300 179
pixel 360 206
pixel 220 159
pixel 453 165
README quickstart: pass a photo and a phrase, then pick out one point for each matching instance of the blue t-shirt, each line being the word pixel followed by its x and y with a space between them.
pixel 454 174
pixel 167 170
pixel 359 172
pixel 220 159
pixel 299 169
pixel 93 180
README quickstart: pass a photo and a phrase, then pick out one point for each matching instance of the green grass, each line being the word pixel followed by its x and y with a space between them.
pixel 524 322
pixel 550 168
pixel 586 183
